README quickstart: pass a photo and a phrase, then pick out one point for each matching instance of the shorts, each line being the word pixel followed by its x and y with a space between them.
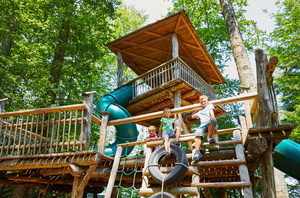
pixel 203 129
pixel 168 135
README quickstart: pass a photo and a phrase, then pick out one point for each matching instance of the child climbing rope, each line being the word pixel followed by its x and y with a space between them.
pixel 166 130
pixel 208 124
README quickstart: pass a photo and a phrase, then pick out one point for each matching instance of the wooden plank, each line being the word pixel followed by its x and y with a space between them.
pixel 244 173
pixel 222 184
pixel 113 172
pixel 174 190
pixel 44 110
pixel 103 130
pixel 50 162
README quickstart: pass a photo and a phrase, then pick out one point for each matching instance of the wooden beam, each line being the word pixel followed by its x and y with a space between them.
pixel 183 109
pixel 103 131
pixel 50 162
pixel 44 110
pixel 143 57
pixel 85 180
pixel 201 71
pixel 147 43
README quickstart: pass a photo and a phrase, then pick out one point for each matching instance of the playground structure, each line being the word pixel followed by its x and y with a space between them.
pixel 51 149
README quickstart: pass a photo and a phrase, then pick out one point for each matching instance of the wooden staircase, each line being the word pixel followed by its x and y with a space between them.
pixel 227 170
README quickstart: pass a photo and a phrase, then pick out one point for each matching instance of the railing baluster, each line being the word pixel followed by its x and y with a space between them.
pixel 81 130
pixel 20 135
pixel 4 135
pixel 47 136
pixel 42 133
pixel 9 137
pixel 36 132
pixel 75 130
pixel 69 134
pixel 52 133
pixel 30 136
pixel 63 133
pixel 15 136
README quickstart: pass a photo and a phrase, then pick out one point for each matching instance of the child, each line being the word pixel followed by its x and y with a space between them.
pixel 166 130
pixel 208 124
pixel 152 135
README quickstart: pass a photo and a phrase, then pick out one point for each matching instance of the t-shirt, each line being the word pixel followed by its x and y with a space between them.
pixel 204 115
pixel 150 137
pixel 167 124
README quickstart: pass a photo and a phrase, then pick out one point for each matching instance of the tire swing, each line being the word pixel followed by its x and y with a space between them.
pixel 165 195
pixel 177 172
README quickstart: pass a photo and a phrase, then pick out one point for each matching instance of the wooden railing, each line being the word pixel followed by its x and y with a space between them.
pixel 166 73
pixel 45 131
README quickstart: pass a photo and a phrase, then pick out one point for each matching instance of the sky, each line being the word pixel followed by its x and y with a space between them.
pixel 156 9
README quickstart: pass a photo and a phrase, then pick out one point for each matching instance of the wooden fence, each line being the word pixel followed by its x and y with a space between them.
pixel 166 73
pixel 45 131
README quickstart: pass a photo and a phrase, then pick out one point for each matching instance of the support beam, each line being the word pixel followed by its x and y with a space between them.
pixel 103 130
pixel 120 70
pixel 113 174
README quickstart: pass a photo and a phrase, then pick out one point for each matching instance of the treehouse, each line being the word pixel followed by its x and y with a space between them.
pixel 173 65
pixel 51 148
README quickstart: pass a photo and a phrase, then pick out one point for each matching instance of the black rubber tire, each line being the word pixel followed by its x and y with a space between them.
pixel 177 172
pixel 165 195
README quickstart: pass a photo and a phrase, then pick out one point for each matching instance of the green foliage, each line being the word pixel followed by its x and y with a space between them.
pixel 285 45
pixel 209 23
pixel 53 47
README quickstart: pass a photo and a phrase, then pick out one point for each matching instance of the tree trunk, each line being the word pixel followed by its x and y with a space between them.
pixel 20 192
pixel 238 47
pixel 59 55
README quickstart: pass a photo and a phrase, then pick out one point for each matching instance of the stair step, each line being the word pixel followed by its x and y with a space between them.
pixel 174 190
pixel 219 162
pixel 222 184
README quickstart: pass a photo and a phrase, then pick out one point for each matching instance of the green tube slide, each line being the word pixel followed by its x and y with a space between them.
pixel 114 103
pixel 286 158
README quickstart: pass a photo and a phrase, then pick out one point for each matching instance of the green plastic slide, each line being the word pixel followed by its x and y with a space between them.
pixel 114 103
pixel 286 158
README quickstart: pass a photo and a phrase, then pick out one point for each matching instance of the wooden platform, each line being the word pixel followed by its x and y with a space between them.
pixel 160 98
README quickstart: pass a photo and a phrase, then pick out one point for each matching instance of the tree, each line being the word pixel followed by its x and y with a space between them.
pixel 55 47
pixel 285 44
pixel 209 24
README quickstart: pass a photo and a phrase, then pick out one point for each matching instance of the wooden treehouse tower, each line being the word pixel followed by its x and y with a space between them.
pixel 51 148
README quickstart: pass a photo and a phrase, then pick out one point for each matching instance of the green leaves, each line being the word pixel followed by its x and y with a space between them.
pixel 285 41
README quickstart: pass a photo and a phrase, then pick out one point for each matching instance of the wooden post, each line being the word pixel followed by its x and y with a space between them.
pixel 103 130
pixel 196 179
pixel 113 174
pixel 145 178
pixel 2 104
pixel 244 173
pixel 175 52
pixel 281 188
pixel 265 119
pixel 120 70
pixel 88 98
pixel 177 103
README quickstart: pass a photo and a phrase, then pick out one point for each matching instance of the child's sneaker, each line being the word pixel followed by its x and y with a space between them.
pixel 167 154
pixel 211 140
pixel 197 156
pixel 177 143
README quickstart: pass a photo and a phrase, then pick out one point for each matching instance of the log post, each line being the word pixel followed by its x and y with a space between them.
pixel 244 173
pixel 120 70
pixel 265 119
pixel 2 104
pixel 88 98
pixel 103 130
pixel 196 179
pixel 113 174
pixel 145 178
pixel 175 52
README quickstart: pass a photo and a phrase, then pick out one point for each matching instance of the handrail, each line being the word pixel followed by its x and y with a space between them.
pixel 184 109
pixel 44 110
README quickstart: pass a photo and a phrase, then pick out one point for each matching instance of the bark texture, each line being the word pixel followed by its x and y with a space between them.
pixel 238 47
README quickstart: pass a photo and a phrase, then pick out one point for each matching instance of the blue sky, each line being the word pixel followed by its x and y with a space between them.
pixel 158 8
